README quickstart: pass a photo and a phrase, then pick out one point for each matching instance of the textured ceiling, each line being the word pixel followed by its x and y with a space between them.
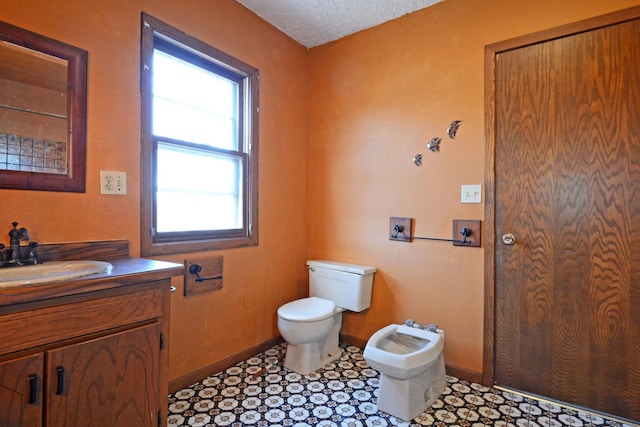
pixel 316 22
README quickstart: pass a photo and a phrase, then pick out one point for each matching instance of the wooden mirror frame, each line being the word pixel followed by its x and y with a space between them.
pixel 74 180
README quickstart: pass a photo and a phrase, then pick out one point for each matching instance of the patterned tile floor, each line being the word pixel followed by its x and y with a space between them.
pixel 344 393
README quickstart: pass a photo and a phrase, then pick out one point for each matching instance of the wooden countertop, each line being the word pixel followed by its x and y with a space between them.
pixel 125 272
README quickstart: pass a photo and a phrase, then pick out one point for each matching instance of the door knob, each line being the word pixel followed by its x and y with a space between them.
pixel 508 239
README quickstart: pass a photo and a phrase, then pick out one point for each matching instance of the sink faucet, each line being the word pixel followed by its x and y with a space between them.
pixel 14 257
pixel 15 236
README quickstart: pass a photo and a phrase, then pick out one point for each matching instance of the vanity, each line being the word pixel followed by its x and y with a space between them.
pixel 88 351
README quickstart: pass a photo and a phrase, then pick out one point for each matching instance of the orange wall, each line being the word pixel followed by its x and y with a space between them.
pixel 211 327
pixel 338 128
pixel 375 99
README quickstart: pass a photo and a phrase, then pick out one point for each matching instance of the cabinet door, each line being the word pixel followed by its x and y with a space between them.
pixel 109 381
pixel 21 391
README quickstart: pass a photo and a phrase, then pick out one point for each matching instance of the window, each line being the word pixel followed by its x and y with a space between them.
pixel 199 145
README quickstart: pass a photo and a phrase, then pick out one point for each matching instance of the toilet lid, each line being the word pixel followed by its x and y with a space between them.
pixel 307 309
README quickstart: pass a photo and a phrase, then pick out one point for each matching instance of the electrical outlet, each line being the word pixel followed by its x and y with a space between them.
pixel 113 182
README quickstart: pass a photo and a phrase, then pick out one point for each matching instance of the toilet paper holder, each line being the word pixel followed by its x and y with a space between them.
pixel 196 269
pixel 202 275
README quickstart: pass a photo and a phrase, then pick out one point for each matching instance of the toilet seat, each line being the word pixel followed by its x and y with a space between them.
pixel 309 309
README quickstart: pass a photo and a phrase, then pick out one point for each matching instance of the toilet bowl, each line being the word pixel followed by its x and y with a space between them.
pixel 311 327
pixel 411 366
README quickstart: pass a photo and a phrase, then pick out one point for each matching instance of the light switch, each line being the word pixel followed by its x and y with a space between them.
pixel 471 194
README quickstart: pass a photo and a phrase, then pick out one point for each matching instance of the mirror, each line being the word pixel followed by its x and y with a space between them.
pixel 43 103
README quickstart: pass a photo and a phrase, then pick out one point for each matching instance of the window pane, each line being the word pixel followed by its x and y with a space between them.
pixel 197 190
pixel 193 104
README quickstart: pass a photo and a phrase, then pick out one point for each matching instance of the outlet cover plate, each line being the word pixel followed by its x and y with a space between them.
pixel 112 182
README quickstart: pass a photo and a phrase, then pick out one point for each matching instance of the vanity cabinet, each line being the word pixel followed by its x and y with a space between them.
pixel 20 391
pixel 112 380
pixel 108 381
pixel 93 355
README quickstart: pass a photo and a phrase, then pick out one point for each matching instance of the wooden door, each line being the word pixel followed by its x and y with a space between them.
pixel 106 382
pixel 21 399
pixel 567 186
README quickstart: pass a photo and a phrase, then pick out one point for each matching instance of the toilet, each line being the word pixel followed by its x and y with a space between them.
pixel 311 326
pixel 411 366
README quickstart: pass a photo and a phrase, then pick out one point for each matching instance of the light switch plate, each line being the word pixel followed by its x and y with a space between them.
pixel 471 193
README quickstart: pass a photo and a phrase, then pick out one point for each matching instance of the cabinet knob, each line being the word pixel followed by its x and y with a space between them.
pixel 33 389
pixel 60 388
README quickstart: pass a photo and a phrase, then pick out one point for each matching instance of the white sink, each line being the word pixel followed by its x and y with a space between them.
pixel 48 272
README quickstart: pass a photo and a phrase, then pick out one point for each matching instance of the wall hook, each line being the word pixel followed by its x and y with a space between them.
pixel 398 229
pixel 466 232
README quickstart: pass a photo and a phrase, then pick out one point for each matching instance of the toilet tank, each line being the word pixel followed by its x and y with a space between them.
pixel 348 285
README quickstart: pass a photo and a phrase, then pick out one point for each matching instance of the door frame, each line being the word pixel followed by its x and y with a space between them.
pixel 490 239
